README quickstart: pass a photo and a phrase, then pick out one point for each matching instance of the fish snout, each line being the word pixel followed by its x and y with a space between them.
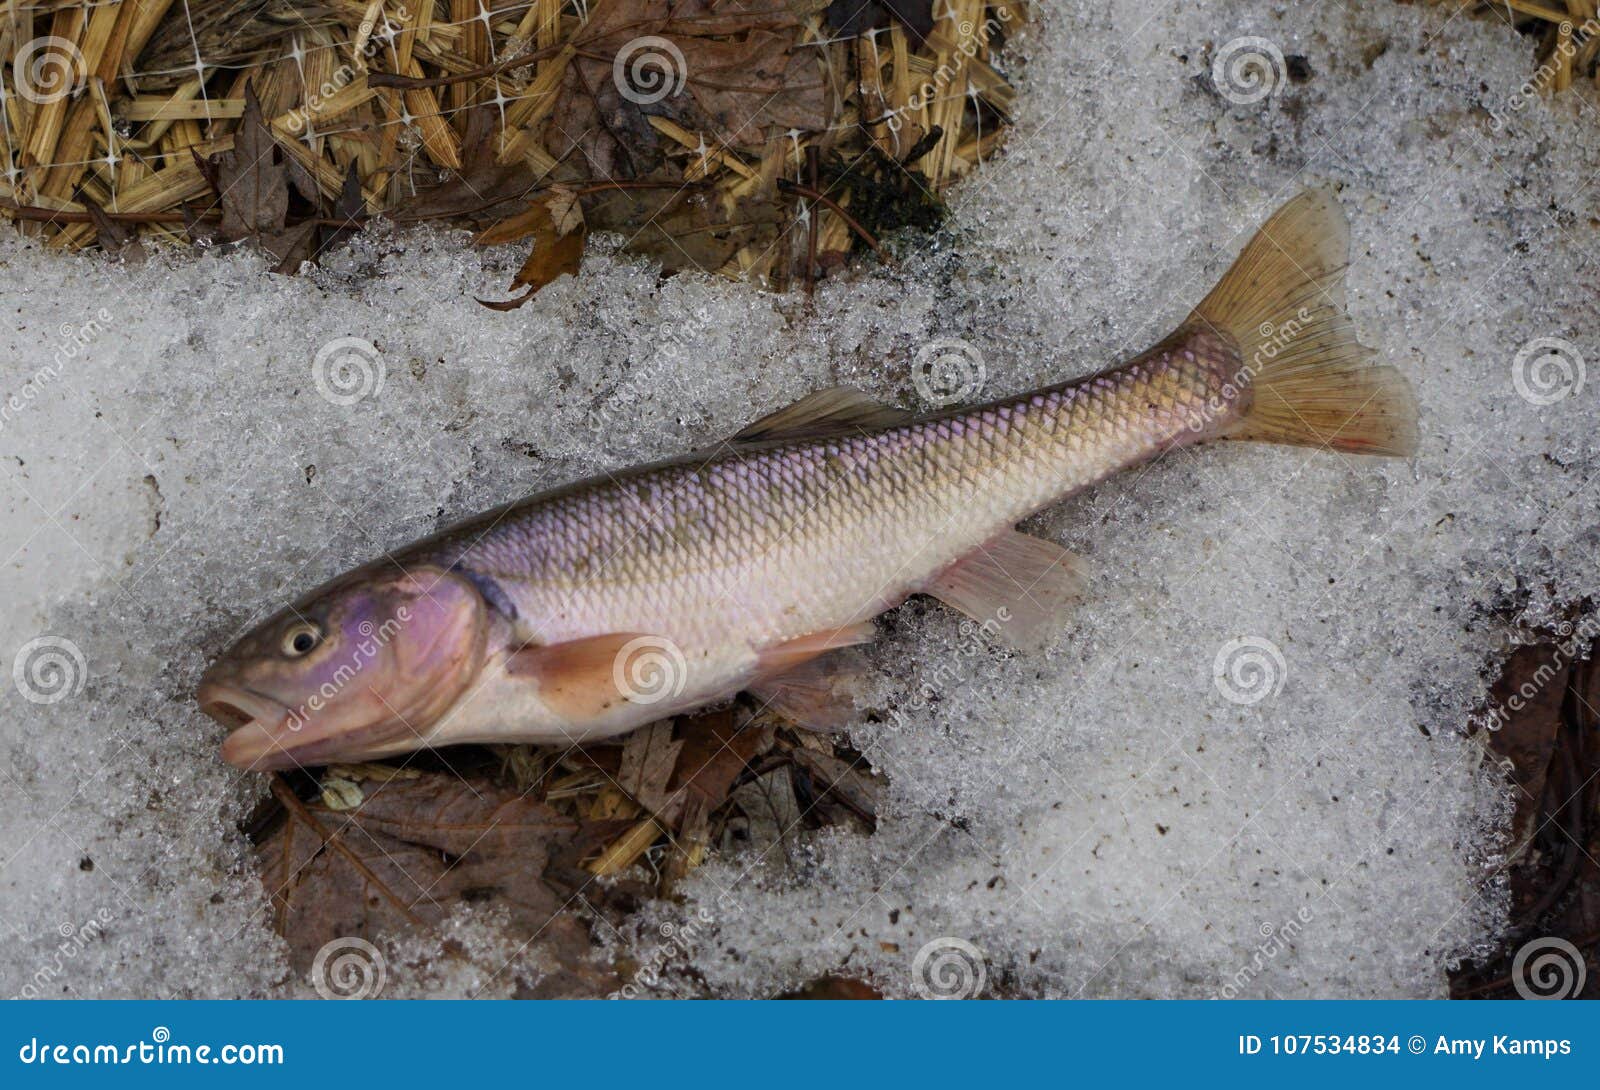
pixel 255 721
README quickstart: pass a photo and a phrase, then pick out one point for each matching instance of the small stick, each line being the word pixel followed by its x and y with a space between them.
pixel 865 235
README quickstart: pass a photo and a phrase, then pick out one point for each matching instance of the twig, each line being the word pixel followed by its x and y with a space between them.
pixel 285 794
pixel 829 202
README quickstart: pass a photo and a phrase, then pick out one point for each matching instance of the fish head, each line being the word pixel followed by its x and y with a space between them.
pixel 363 667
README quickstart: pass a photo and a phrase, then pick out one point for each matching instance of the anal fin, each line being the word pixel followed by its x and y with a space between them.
pixel 1018 587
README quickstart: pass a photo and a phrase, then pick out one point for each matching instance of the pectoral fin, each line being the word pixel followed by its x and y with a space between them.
pixel 586 678
pixel 1016 586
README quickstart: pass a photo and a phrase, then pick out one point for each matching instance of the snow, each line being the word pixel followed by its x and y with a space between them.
pixel 1104 819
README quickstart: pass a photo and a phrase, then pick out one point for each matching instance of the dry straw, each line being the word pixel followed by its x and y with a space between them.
pixel 766 139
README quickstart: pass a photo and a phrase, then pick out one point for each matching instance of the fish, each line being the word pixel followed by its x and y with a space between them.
pixel 582 613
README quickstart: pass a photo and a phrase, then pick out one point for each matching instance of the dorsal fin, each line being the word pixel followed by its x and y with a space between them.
pixel 827 412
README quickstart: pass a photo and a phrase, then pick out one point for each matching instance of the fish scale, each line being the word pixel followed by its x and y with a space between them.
pixel 901 502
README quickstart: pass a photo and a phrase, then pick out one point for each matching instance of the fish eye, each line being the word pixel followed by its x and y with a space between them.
pixel 301 639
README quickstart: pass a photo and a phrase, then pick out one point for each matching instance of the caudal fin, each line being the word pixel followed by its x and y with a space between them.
pixel 1282 302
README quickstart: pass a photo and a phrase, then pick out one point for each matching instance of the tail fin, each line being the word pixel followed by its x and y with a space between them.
pixel 1282 302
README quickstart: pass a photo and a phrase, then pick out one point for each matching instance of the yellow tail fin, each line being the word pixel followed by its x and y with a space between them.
pixel 1282 302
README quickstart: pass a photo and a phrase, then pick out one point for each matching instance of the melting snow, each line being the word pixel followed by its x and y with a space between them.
pixel 1111 818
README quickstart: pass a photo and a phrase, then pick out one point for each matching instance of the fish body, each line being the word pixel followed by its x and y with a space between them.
pixel 593 609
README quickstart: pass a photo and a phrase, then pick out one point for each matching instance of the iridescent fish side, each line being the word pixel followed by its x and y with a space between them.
pixel 597 608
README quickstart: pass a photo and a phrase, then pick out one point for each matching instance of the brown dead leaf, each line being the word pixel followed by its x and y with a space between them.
pixel 715 755
pixel 432 843
pixel 565 212
pixel 483 186
pixel 553 254
pixel 733 73
pixel 118 240
pixel 648 759
pixel 252 183
pixel 685 228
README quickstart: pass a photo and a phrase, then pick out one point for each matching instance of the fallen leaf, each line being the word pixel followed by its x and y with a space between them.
pixel 119 240
pixel 648 759
pixel 252 184
pixel 431 844
pixel 565 212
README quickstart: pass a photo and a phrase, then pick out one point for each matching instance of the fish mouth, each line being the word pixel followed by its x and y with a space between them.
pixel 256 722
pixel 267 737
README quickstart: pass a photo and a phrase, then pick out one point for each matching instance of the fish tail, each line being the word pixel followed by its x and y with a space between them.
pixel 1308 381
